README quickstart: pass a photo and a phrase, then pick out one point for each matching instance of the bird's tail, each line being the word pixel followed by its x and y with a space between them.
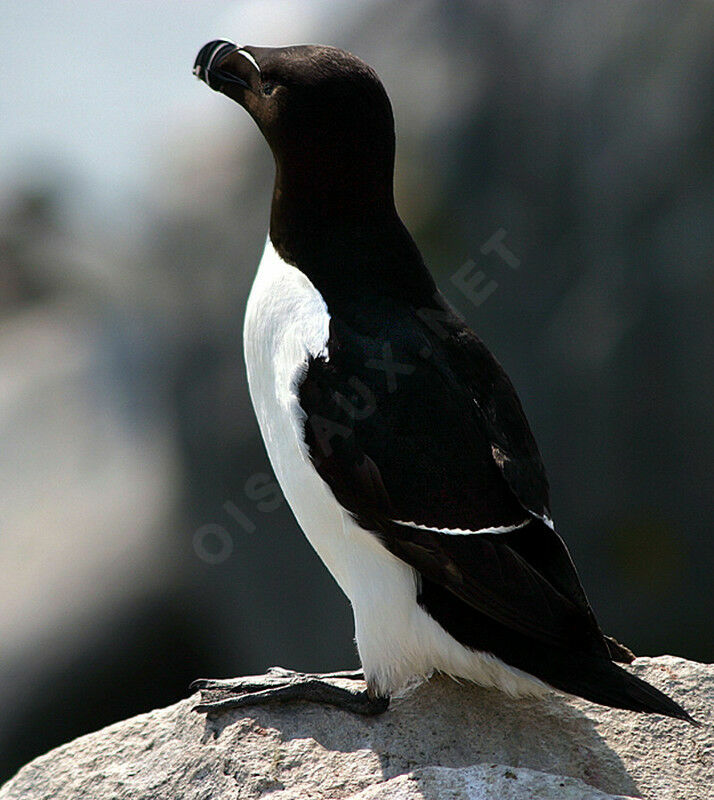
pixel 605 683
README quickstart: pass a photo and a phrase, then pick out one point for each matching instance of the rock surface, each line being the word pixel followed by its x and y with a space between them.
pixel 444 740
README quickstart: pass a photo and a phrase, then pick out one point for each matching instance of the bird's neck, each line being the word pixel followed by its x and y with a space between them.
pixel 343 231
pixel 331 189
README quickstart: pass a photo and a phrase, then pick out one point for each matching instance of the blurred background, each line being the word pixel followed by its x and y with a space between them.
pixel 141 541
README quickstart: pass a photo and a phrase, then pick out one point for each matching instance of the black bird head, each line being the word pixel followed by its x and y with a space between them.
pixel 329 124
pixel 317 106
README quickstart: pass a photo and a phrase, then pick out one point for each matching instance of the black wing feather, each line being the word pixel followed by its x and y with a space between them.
pixel 373 439
pixel 516 594
pixel 490 576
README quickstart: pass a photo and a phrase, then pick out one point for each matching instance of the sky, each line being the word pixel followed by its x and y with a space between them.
pixel 89 87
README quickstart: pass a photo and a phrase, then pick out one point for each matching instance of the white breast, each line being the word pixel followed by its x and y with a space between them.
pixel 286 322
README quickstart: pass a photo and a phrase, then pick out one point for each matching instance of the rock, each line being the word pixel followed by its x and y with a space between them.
pixel 481 782
pixel 443 740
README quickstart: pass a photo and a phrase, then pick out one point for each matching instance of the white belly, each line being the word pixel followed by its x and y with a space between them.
pixel 286 322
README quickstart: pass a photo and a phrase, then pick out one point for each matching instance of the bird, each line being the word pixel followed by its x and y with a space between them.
pixel 397 438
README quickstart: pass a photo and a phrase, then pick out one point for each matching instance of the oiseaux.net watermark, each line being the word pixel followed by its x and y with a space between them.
pixel 213 542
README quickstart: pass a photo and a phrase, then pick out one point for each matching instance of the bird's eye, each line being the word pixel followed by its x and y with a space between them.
pixel 268 88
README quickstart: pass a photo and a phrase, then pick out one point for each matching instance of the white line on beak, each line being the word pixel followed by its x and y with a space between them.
pixel 250 58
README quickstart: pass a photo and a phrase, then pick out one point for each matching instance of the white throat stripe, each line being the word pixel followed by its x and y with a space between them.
pixel 462 531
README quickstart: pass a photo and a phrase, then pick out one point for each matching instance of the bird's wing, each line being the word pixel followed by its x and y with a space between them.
pixel 421 437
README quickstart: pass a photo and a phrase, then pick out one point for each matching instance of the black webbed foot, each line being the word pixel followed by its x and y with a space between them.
pixel 283 686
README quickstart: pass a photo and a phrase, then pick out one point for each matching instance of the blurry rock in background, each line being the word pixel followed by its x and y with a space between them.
pixel 563 152
pixel 92 611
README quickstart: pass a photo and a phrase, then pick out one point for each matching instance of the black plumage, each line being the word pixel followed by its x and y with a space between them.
pixel 407 417
pixel 443 442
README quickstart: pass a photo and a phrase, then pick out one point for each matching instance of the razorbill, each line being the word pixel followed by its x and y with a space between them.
pixel 397 438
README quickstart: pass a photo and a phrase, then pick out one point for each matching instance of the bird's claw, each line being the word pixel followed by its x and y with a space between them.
pixel 283 685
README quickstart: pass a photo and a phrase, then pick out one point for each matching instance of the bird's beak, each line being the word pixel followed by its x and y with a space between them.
pixel 226 68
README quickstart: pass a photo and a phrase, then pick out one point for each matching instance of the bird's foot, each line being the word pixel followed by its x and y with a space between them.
pixel 284 686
